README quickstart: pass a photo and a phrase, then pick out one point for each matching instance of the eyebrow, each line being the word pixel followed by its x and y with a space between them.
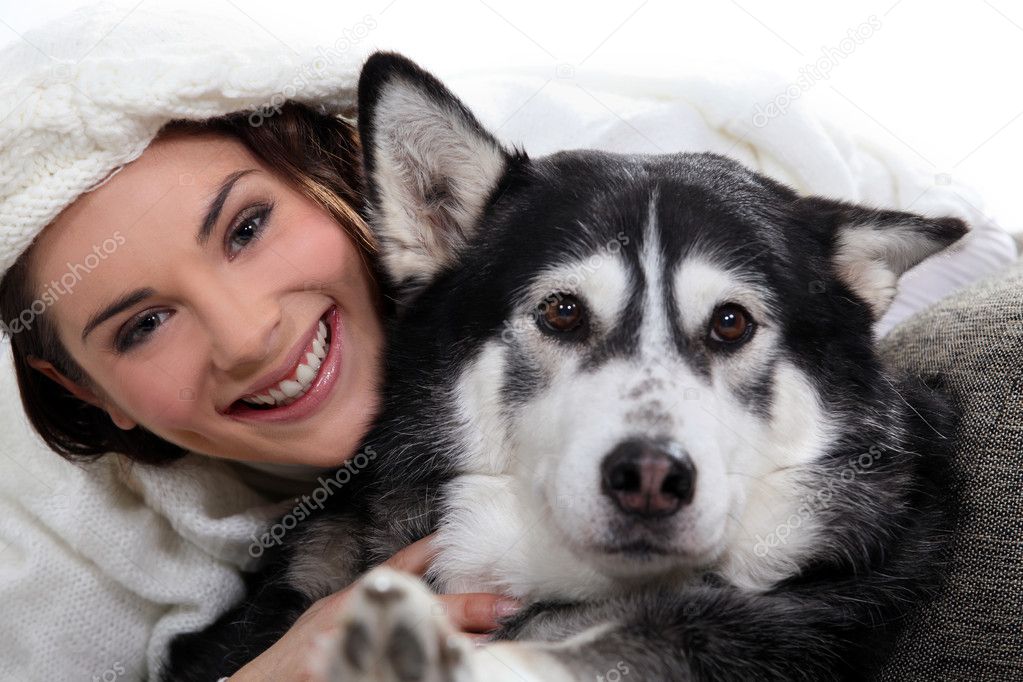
pixel 209 221
pixel 217 204
pixel 123 302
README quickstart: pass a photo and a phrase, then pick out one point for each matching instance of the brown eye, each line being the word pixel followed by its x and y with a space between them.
pixel 561 314
pixel 730 324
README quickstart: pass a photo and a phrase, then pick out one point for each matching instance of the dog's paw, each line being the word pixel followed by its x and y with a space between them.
pixel 393 630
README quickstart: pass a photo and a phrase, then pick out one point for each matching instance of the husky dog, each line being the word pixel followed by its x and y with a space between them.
pixel 641 394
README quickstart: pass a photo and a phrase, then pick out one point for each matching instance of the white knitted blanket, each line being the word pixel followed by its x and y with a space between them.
pixel 101 566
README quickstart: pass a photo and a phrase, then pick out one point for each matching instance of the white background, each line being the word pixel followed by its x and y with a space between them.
pixel 939 81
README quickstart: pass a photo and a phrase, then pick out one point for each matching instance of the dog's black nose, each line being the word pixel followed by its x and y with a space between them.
pixel 644 479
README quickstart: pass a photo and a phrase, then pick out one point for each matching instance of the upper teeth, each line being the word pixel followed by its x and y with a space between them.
pixel 291 389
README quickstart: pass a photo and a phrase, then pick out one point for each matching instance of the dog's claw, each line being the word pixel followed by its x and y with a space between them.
pixel 381 588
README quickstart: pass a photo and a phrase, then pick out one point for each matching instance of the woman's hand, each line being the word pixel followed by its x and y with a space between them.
pixel 475 614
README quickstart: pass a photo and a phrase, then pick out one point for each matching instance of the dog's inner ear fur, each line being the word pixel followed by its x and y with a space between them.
pixel 434 170
pixel 872 248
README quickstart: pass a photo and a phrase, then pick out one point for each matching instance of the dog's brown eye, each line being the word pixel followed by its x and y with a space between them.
pixel 561 313
pixel 730 324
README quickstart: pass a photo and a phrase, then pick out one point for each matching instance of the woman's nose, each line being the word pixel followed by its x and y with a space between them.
pixel 244 333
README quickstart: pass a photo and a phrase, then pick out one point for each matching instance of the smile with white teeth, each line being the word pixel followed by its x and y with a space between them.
pixel 289 390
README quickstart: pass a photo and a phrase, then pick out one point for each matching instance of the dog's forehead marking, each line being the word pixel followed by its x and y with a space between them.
pixel 655 333
pixel 600 277
pixel 701 282
pixel 606 286
pixel 698 287
pixel 655 339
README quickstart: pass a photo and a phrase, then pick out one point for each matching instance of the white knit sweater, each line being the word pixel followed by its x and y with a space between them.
pixel 100 566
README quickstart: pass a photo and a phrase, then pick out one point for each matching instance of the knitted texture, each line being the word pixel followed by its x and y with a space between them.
pixel 86 94
pixel 974 629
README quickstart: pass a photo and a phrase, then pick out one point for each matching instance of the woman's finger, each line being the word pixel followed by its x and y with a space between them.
pixel 477 611
pixel 415 558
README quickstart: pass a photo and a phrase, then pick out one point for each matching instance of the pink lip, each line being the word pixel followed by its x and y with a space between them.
pixel 325 379
pixel 287 368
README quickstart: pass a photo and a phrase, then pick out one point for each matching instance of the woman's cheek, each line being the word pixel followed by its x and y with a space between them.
pixel 163 392
pixel 321 247
pixel 166 407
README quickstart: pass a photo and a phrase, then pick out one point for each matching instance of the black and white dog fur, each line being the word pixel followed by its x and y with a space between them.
pixel 641 394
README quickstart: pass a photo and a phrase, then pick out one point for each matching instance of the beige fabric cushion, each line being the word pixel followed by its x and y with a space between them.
pixel 974 630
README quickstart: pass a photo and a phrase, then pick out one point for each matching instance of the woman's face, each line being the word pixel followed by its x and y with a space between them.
pixel 194 277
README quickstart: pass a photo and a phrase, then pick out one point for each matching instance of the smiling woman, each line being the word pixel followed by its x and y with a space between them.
pixel 196 323
pixel 235 309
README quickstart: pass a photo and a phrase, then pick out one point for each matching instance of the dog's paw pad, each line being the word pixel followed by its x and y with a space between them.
pixel 406 654
pixel 355 645
pixel 393 630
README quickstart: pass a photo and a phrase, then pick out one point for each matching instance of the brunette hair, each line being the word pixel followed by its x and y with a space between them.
pixel 317 153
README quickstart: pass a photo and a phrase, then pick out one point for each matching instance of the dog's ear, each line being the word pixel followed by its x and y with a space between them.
pixel 430 168
pixel 872 248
